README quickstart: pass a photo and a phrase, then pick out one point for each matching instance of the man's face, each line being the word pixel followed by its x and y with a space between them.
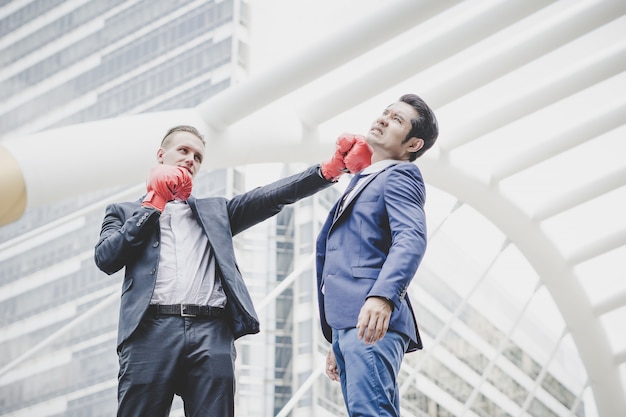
pixel 388 132
pixel 182 149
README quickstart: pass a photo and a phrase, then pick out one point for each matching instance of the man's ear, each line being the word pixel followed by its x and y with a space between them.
pixel 415 144
pixel 159 155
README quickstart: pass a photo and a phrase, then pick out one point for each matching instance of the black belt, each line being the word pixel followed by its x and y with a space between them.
pixel 186 310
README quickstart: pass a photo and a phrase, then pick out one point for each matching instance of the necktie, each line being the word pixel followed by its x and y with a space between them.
pixel 353 183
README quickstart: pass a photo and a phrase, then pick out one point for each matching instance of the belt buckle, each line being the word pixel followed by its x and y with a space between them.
pixel 182 312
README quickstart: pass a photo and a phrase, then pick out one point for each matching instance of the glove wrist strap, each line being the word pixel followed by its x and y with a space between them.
pixel 154 200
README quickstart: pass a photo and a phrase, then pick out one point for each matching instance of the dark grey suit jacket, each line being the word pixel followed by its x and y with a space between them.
pixel 130 238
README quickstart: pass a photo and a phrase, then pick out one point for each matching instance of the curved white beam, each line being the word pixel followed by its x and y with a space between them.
pixel 615 239
pixel 562 83
pixel 555 273
pixel 73 160
pixel 454 34
pixel 584 192
pixel 241 100
pixel 77 159
pixel 615 301
pixel 597 122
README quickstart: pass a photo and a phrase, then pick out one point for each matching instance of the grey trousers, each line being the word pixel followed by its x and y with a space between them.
pixel 167 355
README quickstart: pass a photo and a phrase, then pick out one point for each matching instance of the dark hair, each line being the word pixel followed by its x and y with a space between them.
pixel 183 128
pixel 424 127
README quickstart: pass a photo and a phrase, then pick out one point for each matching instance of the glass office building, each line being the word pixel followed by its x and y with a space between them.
pixel 71 62
pixel 496 344
pixel 68 62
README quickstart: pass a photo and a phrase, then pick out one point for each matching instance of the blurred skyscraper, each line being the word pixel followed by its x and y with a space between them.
pixel 66 62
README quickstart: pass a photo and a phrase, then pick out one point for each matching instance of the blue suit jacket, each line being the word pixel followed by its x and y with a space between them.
pixel 373 249
pixel 130 238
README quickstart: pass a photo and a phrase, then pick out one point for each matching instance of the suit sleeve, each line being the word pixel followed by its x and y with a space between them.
pixel 253 207
pixel 121 236
pixel 404 201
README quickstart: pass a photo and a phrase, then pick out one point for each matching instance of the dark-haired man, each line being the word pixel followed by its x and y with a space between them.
pixel 367 254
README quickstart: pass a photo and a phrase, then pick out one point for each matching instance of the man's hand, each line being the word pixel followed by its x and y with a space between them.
pixel 331 366
pixel 166 183
pixel 373 320
pixel 335 166
pixel 359 156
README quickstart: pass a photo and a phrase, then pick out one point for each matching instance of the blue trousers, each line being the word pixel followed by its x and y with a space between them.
pixel 369 372
pixel 168 355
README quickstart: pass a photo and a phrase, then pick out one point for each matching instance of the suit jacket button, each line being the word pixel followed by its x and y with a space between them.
pixel 153 271
pixel 155 244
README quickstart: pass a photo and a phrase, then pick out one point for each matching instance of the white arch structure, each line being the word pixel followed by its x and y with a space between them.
pixel 526 80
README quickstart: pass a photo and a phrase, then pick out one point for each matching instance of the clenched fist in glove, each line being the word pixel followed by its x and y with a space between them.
pixel 359 156
pixel 345 146
pixel 166 183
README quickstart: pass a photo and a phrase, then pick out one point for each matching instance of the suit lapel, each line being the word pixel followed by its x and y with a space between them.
pixel 202 209
pixel 366 181
pixel 340 205
pixel 353 198
pixel 348 202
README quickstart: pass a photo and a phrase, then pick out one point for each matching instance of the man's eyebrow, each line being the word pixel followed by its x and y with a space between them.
pixel 400 115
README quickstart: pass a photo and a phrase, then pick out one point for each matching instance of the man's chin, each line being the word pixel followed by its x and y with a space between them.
pixel 373 137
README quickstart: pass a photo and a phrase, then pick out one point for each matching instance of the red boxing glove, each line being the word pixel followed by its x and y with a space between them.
pixel 166 183
pixel 182 190
pixel 334 167
pixel 359 156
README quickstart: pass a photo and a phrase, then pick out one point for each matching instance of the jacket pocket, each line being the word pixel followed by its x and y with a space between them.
pixel 364 272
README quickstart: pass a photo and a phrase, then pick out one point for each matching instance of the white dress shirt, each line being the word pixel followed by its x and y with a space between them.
pixel 186 273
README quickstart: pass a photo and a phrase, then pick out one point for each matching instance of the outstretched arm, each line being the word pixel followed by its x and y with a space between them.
pixel 252 207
